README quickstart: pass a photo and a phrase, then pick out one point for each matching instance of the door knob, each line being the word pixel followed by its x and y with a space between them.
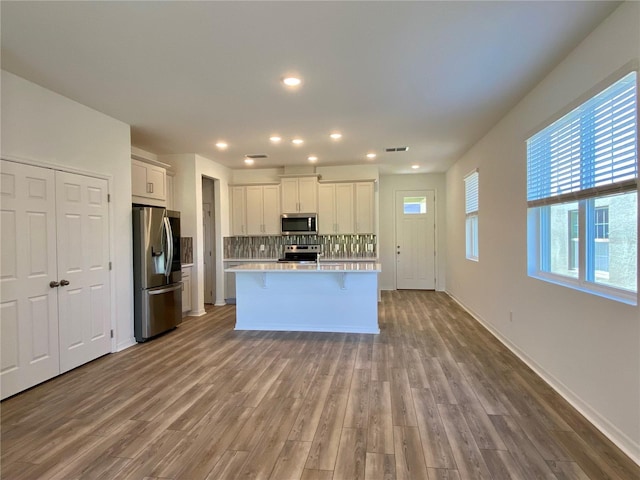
pixel 64 283
pixel 53 284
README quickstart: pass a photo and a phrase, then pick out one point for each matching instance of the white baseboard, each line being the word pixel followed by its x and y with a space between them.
pixel 129 342
pixel 613 433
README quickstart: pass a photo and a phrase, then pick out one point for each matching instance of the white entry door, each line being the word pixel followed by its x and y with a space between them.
pixel 415 240
pixel 83 262
pixel 28 305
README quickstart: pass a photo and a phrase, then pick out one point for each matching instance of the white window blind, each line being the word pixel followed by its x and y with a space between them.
pixel 471 193
pixel 590 151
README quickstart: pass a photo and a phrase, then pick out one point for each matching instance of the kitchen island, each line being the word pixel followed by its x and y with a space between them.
pixel 325 297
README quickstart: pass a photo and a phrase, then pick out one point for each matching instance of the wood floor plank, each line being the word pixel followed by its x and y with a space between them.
pixel 402 408
pixel 357 412
pixel 290 463
pixel 465 451
pixel 567 470
pixel 229 465
pixel 208 402
pixel 521 448
pixel 380 466
pixel 409 458
pixel 435 443
pixel 311 474
pixel 306 424
pixel 380 422
pixel 350 463
pixel 443 474
pixel 502 465
pixel 324 448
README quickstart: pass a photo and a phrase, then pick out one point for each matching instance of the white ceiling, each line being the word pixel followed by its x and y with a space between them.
pixel 433 76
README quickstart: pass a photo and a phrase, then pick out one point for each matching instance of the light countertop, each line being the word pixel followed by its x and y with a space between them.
pixel 324 267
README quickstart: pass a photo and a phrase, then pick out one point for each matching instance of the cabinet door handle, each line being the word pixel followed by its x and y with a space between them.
pixel 54 284
pixel 151 185
pixel 64 283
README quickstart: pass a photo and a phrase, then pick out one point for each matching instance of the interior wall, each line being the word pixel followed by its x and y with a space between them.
pixel 43 127
pixel 389 185
pixel 190 168
pixel 587 347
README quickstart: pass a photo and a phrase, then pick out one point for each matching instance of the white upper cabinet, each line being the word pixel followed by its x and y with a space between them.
pixel 148 182
pixel 238 211
pixel 346 208
pixel 255 210
pixel 300 194
pixel 335 208
pixel 364 207
pixel 263 209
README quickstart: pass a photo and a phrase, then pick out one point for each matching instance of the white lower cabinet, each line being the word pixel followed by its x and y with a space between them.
pixel 55 301
pixel 186 290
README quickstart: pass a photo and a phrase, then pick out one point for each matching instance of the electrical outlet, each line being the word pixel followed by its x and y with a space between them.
pixel 262 248
pixel 370 247
pixel 337 248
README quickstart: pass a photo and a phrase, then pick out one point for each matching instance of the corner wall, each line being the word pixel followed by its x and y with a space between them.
pixel 586 347
pixel 47 129
pixel 190 168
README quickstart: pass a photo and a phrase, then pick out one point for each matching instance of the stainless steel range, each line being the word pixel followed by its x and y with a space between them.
pixel 300 253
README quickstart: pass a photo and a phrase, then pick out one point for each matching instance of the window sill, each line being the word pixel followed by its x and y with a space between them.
pixel 617 295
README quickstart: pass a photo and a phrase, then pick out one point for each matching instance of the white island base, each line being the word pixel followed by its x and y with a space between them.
pixel 307 298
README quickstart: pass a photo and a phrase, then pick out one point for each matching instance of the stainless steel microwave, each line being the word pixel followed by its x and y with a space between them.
pixel 299 223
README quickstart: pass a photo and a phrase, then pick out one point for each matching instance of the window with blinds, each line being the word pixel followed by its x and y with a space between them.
pixel 578 168
pixel 471 203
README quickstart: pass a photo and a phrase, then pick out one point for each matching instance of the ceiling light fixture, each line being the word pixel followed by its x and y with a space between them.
pixel 292 81
pixel 222 145
pixel 312 158
pixel 415 166
pixel 248 161
pixel 275 139
pixel 336 136
pixel 371 155
pixel 297 141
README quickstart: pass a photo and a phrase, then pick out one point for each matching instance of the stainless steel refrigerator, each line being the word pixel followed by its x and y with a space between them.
pixel 157 275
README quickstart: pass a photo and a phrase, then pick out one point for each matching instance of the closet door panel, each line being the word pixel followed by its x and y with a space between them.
pixel 83 262
pixel 28 305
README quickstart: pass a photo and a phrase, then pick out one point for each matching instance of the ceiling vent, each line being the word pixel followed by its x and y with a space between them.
pixel 396 149
pixel 255 155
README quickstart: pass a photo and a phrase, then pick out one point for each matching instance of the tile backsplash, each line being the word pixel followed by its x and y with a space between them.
pixel 186 250
pixel 333 246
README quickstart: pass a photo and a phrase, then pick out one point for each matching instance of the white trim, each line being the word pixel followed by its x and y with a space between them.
pixel 613 433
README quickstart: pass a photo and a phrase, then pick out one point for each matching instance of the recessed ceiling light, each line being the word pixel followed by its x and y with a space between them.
pixel 415 166
pixel 312 158
pixel 297 141
pixel 336 136
pixel 275 139
pixel 291 81
pixel 248 161
pixel 222 145
pixel 371 155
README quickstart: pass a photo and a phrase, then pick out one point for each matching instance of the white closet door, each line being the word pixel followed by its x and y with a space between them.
pixel 83 261
pixel 28 305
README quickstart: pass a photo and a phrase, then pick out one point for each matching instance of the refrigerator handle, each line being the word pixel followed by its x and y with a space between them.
pixel 169 234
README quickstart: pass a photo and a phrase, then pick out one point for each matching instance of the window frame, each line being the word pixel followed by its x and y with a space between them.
pixel 538 246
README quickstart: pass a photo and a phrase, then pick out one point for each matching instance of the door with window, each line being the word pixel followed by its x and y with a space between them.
pixel 415 240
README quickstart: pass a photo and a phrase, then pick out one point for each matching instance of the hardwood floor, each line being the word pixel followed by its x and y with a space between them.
pixel 434 396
